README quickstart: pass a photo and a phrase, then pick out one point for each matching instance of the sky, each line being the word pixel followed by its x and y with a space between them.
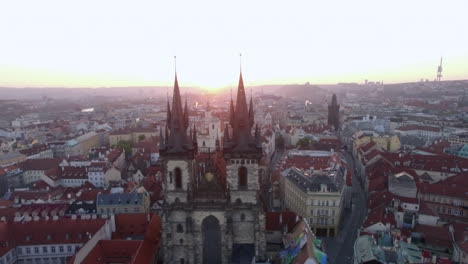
pixel 104 43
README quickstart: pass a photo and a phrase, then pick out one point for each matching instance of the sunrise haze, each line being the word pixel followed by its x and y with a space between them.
pixel 124 43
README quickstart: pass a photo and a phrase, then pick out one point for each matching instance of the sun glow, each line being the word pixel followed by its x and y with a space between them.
pixel 123 43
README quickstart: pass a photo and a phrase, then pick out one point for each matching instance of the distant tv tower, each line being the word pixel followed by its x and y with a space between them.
pixel 439 70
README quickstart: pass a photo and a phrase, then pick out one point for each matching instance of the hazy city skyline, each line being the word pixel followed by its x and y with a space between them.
pixel 89 44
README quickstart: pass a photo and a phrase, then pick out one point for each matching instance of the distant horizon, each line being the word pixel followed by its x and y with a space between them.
pixel 222 88
pixel 120 44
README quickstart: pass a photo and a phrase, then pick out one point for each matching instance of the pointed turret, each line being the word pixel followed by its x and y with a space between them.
pixel 251 112
pixel 242 121
pixel 242 113
pixel 231 113
pixel 194 135
pixel 186 114
pixel 161 138
pixel 168 117
pixel 226 134
pixel 176 140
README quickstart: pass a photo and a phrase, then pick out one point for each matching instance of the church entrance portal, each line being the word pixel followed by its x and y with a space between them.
pixel 211 240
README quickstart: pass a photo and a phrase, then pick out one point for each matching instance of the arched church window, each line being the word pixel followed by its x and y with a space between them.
pixel 178 177
pixel 180 228
pixel 242 177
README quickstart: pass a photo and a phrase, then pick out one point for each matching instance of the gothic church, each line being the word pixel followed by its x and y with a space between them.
pixel 212 211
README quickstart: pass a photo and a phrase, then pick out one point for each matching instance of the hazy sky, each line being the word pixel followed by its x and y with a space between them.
pixel 119 43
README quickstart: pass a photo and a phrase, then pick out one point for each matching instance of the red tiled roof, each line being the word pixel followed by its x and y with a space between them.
pixel 67 172
pixel 276 221
pixel 39 164
pixel 61 231
pixel 38 148
pixel 112 251
pixel 128 225
pixel 6 238
pixel 379 215
pixel 454 186
pixel 52 193
pixel 366 147
pixel 418 127
pixel 151 242
pixel 114 154
pixel 435 235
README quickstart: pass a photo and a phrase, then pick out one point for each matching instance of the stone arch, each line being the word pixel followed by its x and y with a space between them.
pixel 178 178
pixel 242 175
pixel 211 231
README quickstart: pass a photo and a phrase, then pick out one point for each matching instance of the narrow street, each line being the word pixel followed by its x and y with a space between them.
pixel 340 248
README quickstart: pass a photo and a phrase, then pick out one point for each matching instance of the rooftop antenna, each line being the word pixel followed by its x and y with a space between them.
pixel 439 70
pixel 240 62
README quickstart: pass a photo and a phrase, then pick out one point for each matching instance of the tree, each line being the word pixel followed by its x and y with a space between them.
pixel 141 137
pixel 125 145
pixel 305 143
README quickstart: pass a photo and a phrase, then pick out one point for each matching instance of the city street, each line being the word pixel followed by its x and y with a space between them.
pixel 340 248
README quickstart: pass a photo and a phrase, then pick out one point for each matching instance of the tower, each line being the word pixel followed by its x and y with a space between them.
pixel 177 149
pixel 211 212
pixel 334 113
pixel 439 70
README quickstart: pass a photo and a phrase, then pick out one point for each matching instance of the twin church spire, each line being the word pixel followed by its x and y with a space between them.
pixel 180 138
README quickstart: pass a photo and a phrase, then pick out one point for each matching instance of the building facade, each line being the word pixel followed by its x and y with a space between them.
pixel 212 213
pixel 315 197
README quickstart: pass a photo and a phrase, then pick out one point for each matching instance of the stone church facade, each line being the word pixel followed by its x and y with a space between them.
pixel 212 211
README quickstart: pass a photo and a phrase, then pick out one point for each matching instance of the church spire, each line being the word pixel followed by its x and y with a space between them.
pixel 186 114
pixel 242 115
pixel 176 140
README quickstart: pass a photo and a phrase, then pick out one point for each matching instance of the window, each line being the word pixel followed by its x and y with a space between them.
pixel 44 250
pixel 242 217
pixel 311 222
pixel 52 249
pixel 36 250
pixel 69 248
pixel 60 248
pixel 181 241
pixel 28 251
pixel 242 177
pixel 178 177
pixel 20 251
pixel 333 221
pixel 182 261
pixel 180 228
